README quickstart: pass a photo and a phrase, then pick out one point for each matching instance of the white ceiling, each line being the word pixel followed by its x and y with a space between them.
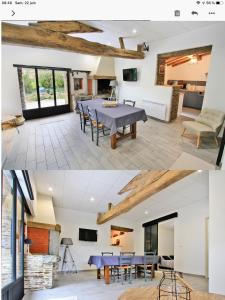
pixel 147 31
pixel 74 189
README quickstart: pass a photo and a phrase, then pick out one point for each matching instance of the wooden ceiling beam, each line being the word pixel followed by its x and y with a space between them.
pixel 65 26
pixel 181 62
pixel 37 37
pixel 141 188
pixel 177 60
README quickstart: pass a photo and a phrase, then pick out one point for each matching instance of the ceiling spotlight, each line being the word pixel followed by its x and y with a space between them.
pixel 134 31
pixel 199 171
pixel 146 212
pixel 92 199
pixel 50 189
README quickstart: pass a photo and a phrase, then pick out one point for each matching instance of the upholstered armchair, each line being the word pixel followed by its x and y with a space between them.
pixel 208 123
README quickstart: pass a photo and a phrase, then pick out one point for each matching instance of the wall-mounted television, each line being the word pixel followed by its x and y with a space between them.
pixel 88 235
pixel 130 74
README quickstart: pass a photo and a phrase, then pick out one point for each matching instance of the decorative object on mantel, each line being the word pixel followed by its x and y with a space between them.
pixel 172 286
pixel 68 263
pixel 110 103
pixel 113 84
pixel 28 242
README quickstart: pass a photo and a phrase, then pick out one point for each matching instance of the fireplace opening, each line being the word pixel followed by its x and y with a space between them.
pixel 103 86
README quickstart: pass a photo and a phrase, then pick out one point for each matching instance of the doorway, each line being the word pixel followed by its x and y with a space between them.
pixel 44 91
pixel 186 71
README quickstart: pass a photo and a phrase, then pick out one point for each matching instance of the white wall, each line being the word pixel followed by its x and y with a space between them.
pixel 217 232
pixel 189 237
pixel 71 221
pixel 165 240
pixel 145 87
pixel 189 71
pixel 35 56
pixel 44 211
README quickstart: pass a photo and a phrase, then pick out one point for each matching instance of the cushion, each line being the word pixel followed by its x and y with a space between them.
pixel 166 257
pixel 197 127
pixel 211 117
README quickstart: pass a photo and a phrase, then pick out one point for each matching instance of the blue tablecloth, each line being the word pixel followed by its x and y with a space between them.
pixel 115 117
pixel 101 261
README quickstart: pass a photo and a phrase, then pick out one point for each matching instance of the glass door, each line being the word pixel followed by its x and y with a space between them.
pixel 46 88
pixel 44 91
pixel 61 87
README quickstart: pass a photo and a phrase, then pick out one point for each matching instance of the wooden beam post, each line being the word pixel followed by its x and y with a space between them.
pixel 148 184
pixel 122 46
pixel 35 36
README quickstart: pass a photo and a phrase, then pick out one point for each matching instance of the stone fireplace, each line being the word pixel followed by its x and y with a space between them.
pixel 103 86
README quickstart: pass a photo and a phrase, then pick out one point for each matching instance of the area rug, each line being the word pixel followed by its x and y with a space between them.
pixel 187 161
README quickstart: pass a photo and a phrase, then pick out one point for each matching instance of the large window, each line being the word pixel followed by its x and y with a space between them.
pixel 13 204
pixel 7 214
pixel 44 91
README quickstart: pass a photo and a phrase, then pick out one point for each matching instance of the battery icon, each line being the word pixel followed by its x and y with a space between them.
pixel 219 2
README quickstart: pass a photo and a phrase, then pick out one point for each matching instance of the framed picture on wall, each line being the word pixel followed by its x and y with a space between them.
pixel 161 69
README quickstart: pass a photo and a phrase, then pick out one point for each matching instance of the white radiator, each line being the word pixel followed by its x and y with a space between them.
pixel 155 109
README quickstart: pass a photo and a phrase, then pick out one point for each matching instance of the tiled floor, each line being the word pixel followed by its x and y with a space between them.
pixel 85 286
pixel 58 143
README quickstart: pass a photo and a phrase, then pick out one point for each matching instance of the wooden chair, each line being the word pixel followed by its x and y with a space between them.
pixel 146 268
pixel 95 124
pixel 108 253
pixel 130 253
pixel 130 103
pixel 84 118
pixel 124 269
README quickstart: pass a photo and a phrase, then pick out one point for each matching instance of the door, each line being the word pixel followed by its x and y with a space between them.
pixel 151 238
pixel 44 91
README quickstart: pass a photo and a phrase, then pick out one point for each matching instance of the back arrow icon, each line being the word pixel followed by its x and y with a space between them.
pixel 13 13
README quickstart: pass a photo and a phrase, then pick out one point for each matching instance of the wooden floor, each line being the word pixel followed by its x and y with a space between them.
pixel 58 143
pixel 85 286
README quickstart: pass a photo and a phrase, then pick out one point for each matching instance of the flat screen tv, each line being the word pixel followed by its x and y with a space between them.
pixel 130 74
pixel 88 235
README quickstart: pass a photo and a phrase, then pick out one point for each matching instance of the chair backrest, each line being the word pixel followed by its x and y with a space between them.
pixel 129 102
pixel 125 260
pixel 80 107
pixel 107 253
pixel 212 118
pixel 92 113
pixel 127 253
pixel 150 258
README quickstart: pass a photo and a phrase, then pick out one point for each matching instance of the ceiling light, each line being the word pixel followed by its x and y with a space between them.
pixel 199 171
pixel 50 189
pixel 146 212
pixel 134 31
pixel 92 199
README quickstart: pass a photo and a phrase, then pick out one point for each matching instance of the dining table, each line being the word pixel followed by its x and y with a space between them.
pixel 108 261
pixel 113 118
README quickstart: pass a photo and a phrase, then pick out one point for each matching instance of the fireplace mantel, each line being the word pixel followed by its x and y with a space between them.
pixel 96 77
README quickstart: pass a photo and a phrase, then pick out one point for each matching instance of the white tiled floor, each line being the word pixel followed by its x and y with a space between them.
pixel 58 143
pixel 85 286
